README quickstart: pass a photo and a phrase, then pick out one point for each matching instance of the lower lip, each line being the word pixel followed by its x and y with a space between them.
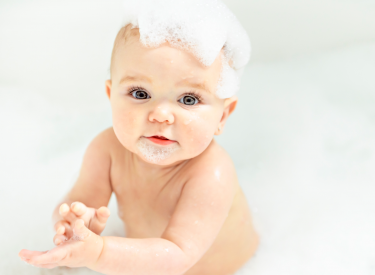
pixel 161 141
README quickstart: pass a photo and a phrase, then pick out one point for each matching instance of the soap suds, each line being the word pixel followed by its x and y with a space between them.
pixel 229 80
pixel 202 27
pixel 153 152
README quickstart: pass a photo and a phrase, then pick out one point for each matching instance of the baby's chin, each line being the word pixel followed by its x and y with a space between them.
pixel 157 154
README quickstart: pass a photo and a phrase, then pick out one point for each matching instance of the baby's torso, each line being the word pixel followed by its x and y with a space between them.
pixel 146 214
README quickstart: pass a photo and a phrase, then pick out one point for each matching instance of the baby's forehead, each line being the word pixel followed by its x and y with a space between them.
pixel 125 35
pixel 128 38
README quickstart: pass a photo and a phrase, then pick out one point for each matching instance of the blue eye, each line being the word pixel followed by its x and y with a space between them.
pixel 188 100
pixel 139 94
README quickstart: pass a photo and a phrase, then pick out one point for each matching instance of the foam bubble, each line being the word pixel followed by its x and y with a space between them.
pixel 202 27
pixel 153 152
pixel 76 238
pixel 229 82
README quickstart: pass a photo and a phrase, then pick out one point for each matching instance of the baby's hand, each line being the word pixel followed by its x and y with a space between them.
pixel 83 249
pixel 94 219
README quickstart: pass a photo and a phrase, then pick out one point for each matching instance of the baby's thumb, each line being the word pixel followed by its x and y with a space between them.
pixel 102 214
pixel 80 231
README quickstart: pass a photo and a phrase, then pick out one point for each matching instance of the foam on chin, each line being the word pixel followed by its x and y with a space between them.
pixel 155 153
pixel 202 27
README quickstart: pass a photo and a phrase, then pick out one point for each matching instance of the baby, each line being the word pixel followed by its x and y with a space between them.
pixel 176 188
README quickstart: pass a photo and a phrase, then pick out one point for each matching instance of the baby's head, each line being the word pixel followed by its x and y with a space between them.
pixel 174 75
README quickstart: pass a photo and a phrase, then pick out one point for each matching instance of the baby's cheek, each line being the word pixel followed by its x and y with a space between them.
pixel 199 136
pixel 122 122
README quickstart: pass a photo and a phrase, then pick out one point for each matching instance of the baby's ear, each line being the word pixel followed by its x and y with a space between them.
pixel 108 87
pixel 229 106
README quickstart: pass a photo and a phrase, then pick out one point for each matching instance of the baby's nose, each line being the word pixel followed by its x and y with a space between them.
pixel 161 113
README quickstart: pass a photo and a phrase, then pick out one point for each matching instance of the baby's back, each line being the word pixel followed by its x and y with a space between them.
pixel 147 201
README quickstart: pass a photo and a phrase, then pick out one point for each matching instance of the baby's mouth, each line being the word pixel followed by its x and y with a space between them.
pixel 161 140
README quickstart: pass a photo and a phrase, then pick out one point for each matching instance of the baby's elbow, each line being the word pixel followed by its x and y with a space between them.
pixel 177 261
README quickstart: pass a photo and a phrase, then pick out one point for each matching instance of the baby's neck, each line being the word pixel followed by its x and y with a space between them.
pixel 150 173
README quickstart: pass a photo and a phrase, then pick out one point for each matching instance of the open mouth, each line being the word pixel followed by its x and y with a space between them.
pixel 160 140
pixel 160 137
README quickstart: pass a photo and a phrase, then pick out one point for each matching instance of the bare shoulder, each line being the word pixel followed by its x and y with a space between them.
pixel 106 138
pixel 106 142
pixel 213 168
pixel 215 160
pixel 207 196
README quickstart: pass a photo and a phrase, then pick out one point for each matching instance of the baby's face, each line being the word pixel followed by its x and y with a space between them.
pixel 163 92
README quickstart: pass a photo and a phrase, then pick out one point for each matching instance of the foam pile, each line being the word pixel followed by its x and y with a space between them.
pixel 202 27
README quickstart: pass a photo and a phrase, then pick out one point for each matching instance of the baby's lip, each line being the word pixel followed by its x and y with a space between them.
pixel 161 140
pixel 159 137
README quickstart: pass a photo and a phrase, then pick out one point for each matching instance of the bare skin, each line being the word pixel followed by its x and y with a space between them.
pixel 183 209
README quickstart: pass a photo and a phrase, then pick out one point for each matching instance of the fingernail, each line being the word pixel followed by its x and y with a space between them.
pixel 105 212
pixel 58 241
pixel 64 208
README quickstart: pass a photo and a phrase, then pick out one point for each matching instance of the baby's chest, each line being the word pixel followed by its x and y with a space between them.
pixel 145 215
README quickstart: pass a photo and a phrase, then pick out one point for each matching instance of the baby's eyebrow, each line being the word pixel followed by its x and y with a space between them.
pixel 196 85
pixel 135 78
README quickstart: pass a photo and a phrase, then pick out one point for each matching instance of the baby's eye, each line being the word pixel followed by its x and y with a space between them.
pixel 139 94
pixel 188 100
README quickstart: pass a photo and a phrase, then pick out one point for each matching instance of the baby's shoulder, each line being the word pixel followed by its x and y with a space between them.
pixel 214 162
pixel 106 141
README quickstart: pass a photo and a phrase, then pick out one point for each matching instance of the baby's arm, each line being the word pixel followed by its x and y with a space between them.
pixel 200 213
pixel 202 208
pixel 92 190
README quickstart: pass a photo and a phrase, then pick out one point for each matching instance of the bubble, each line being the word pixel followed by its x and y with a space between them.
pixel 229 81
pixel 76 237
pixel 201 27
pixel 153 152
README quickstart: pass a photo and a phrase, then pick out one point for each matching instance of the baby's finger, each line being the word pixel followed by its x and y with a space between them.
pixel 102 214
pixel 67 214
pixel 78 208
pixel 59 227
pixel 59 239
pixel 25 254
pixel 99 220
pixel 54 256
pixel 64 209
pixel 81 232
pixel 63 228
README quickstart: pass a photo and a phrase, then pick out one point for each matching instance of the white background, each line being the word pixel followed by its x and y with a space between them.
pixel 302 137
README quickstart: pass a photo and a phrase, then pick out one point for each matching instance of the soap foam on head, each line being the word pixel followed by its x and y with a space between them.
pixel 202 27
pixel 154 153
